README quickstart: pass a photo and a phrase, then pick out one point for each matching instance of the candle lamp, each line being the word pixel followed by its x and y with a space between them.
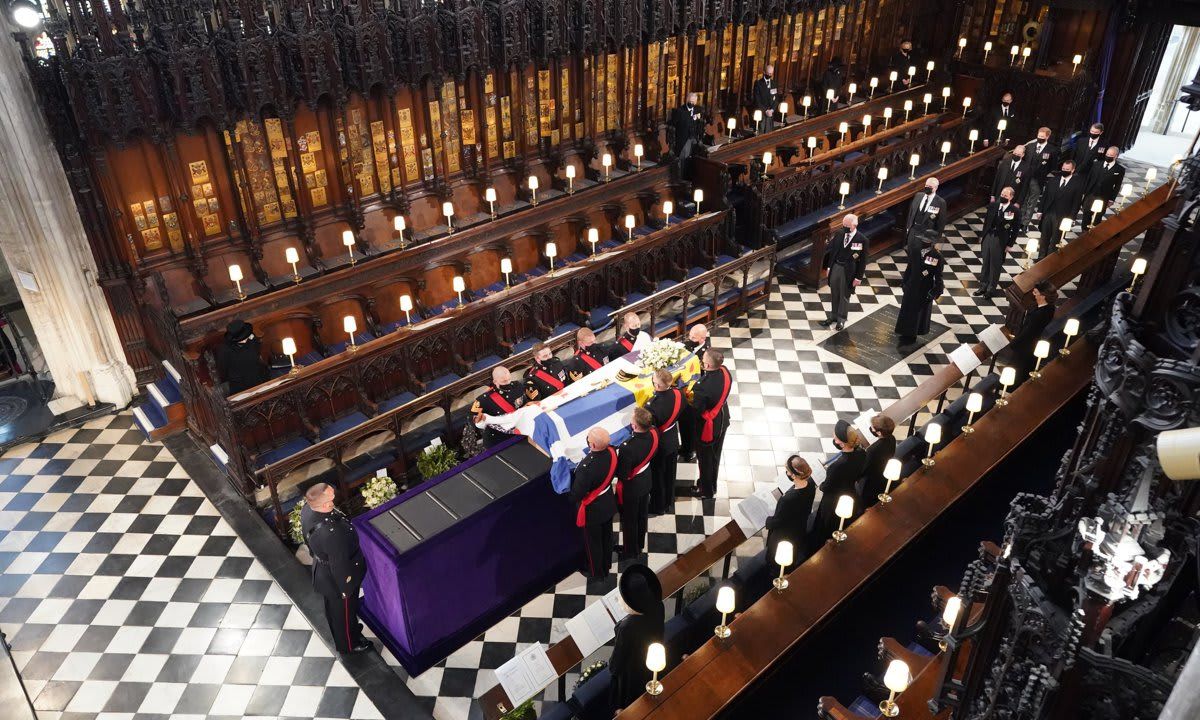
pixel 783 111
pixel 406 306
pixel 606 161
pixel 1097 208
pixel 668 208
pixel 927 98
pixel 866 121
pixel 289 349
pixel 933 436
pixel 883 174
pixel 851 89
pixel 1041 351
pixel 895 679
pixel 1013 52
pixel 1031 253
pixel 350 325
pixel 758 116
pixel 348 241
pixel 1001 127
pixel 891 473
pixel 1151 176
pixel 844 511
pixel 806 102
pixel 912 73
pixel 887 117
pixel 892 79
pixel 812 146
pixel 974 405
pixel 1138 268
pixel 448 211
pixel 1008 376
pixel 630 223
pixel 506 268
pixel 950 612
pixel 399 224
pixel 551 253
pixel 962 45
pixel 570 179
pixel 1064 226
pixel 928 70
pixel 843 190
pixel 1025 53
pixel 293 257
pixel 637 155
pixel 1126 191
pixel 784 555
pixel 829 96
pixel 656 662
pixel 873 84
pixel 767 159
pixel 966 105
pixel 843 128
pixel 987 48
pixel 914 161
pixel 1075 64
pixel 973 136
pixel 490 196
pixel 459 286
pixel 235 274
pixel 726 602
pixel 945 98
pixel 945 151
pixel 1070 330
pixel 730 126
pixel 593 237
pixel 698 197
pixel 533 188
pixel 907 109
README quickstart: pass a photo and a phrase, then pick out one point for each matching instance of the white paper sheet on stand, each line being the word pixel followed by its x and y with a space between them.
pixel 592 628
pixel 862 423
pixel 994 338
pixel 616 608
pixel 526 674
pixel 964 358
pixel 752 512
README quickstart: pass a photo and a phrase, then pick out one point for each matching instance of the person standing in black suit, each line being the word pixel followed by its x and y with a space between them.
pixel 1060 200
pixel 338 566
pixel 641 593
pixel 1103 184
pixel 546 375
pixel 589 354
pixel 1002 111
pixel 634 481
pixel 1088 149
pixel 926 220
pixel 698 342
pixel 1042 155
pixel 1001 226
pixel 766 98
pixel 710 400
pixel 790 519
pixel 595 504
pixel 922 287
pixel 878 453
pixel 687 121
pixel 846 258
pixel 840 478
pixel 1012 171
pixel 665 406
pixel 1019 353
pixel 504 396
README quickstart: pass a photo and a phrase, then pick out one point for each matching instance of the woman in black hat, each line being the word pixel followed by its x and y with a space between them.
pixel 642 594
pixel 239 358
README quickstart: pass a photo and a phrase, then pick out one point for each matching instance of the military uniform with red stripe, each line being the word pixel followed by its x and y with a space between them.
pixel 544 379
pixel 623 345
pixel 687 419
pixel 499 401
pixel 633 488
pixel 586 360
pixel 595 502
pixel 667 407
pixel 338 570
pixel 710 396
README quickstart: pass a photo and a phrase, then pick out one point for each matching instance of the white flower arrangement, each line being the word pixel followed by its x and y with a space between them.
pixel 661 354
pixel 378 490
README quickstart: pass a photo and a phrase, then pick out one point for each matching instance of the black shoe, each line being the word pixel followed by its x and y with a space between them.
pixel 840 326
pixel 687 456
pixel 826 322
pixel 362 645
pixel 981 292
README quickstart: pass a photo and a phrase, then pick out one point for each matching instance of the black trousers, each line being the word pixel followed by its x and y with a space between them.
pixel 708 455
pixel 342 615
pixel 635 516
pixel 662 473
pixel 597 549
pixel 687 430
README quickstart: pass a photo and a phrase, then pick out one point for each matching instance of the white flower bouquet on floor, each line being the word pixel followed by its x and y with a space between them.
pixel 661 354
pixel 378 490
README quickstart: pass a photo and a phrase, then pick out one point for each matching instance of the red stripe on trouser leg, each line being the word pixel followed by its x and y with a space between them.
pixel 346 614
pixel 587 548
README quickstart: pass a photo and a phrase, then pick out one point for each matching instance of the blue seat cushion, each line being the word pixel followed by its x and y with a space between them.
pixel 600 317
pixel 610 244
pixel 567 327
pixel 342 424
pixel 366 464
pixel 396 401
pixel 288 449
pixel 696 312
pixel 664 284
pixel 634 296
pixel 722 259
pixel 309 358
pixel 693 272
pixel 486 361
pixel 666 324
pixel 756 286
pixel 441 381
pixel 394 326
pixel 525 344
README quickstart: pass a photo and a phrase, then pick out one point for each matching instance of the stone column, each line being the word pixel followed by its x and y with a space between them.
pixel 43 241
pixel 1174 78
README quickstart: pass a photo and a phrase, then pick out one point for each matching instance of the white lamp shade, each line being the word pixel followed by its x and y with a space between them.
pixel 907 105
pixel 490 195
pixel 347 237
pixel 459 285
pixel 967 103
pixel 1139 266
pixel 1177 453
pixel 551 250
pixel 235 273
pixel 843 127
pixel 448 209
pixel 812 142
pixel 291 255
pixel 1008 376
pixel 1097 205
pixel 891 470
pixel 987 46
pixel 895 678
pixel 974 402
pixel 698 195
pixel 853 88
pixel 1126 189
pixel 1042 349
pixel 767 158
pixel 731 123
pixel 928 98
pixel 593 235
pixel 883 173
pixel 505 265
pixel 951 610
pixel 933 433
pixel 829 94
pixel 1151 174
pixel 1002 124
pixel 1077 59
pixel 784 553
pixel 946 146
pixel 1071 327
pixel 533 182
pixel 845 507
pixel 399 223
pixel 758 116
pixel 946 92
pixel 783 108
pixel 668 207
pixel 973 135
pixel 406 302
pixel 844 189
pixel 630 222
pixel 606 160
pixel 887 113
pixel 1026 51
pixel 874 82
pixel 638 150
pixel 866 121
pixel 1065 224
pixel 806 100
pixel 1015 49
pixel 571 171
pixel 912 70
pixel 893 75
pixel 656 658
pixel 289 346
pixel 726 601
pixel 929 65
pixel 1031 247
pixel 915 160
pixel 349 324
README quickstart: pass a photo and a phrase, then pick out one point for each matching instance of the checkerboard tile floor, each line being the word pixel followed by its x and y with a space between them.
pixel 125 595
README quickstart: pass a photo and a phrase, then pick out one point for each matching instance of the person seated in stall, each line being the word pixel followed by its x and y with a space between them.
pixel 239 358
pixel 641 594
pixel 589 354
pixel 631 337
pixel 504 396
pixel 546 376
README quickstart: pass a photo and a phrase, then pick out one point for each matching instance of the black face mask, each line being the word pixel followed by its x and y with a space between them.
pixel 1095 136
pixel 1005 104
pixel 1066 174
pixel 928 191
pixel 1005 201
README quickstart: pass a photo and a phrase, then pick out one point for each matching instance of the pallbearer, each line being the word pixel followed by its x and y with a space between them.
pixel 631 331
pixel 589 354
pixel 546 375
pixel 698 342
pixel 922 286
pixel 338 566
pixel 634 482
pixel 665 406
pixel 594 501
pixel 710 399
pixel 503 397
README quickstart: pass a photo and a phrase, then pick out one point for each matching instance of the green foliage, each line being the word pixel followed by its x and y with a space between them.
pixel 294 531
pixel 436 460
pixel 524 711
